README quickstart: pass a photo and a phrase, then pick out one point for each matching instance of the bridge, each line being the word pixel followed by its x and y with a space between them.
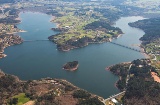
pixel 36 40
pixel 128 47
pixel 113 96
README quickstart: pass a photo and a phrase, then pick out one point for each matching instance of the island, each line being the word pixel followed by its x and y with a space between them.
pixel 72 66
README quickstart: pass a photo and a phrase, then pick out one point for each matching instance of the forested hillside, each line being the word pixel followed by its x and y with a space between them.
pixel 151 28
pixel 138 82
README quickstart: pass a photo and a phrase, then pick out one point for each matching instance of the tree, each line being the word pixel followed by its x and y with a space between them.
pixel 13 101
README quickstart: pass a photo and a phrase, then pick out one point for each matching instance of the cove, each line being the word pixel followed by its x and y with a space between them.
pixel 40 59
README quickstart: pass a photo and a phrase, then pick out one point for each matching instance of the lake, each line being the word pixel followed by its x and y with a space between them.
pixel 40 59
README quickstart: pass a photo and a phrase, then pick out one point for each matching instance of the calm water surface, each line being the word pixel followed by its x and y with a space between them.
pixel 35 60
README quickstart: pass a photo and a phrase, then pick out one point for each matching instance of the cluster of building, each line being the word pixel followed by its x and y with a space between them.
pixel 8 28
pixel 7 40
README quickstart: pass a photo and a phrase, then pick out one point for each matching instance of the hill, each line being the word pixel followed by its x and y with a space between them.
pixel 45 91
pixel 137 80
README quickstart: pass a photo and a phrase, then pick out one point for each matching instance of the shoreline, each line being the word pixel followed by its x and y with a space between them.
pixel 73 69
pixel 2 55
pixel 80 47
pixel 144 53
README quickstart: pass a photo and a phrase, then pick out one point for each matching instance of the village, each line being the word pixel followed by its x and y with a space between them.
pixel 7 38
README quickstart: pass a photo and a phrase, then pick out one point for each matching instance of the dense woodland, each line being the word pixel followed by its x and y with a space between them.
pixel 151 28
pixel 111 15
pixel 141 88
pixel 120 70
pixel 102 25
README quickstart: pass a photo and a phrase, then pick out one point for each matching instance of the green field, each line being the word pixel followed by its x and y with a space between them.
pixel 76 28
pixel 21 98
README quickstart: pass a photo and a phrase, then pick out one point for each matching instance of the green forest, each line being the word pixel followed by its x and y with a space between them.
pixel 141 88
pixel 151 28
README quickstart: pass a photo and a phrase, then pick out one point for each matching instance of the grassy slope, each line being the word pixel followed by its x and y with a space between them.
pixel 21 98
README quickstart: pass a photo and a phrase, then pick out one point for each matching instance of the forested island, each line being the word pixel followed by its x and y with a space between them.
pixel 71 66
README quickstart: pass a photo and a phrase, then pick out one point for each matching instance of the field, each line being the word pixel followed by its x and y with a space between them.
pixel 75 24
pixel 21 98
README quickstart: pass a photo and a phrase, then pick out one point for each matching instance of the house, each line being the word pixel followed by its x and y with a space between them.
pixel 114 100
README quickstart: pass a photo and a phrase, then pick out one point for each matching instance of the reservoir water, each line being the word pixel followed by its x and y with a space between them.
pixel 39 59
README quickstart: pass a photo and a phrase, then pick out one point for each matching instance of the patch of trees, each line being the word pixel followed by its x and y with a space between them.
pixel 122 71
pixel 85 98
pixel 9 86
pixel 102 24
pixel 71 44
pixel 54 13
pixel 13 101
pixel 140 71
pixel 91 101
pixel 111 15
pixel 47 97
pixel 141 68
pixel 151 27
pixel 140 91
pixel 9 20
pixel 141 88
pixel 67 87
pixel 14 12
pixel 7 81
pixel 81 94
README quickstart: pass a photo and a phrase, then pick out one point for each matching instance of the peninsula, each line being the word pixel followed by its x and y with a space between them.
pixel 8 29
pixel 82 31
pixel 140 81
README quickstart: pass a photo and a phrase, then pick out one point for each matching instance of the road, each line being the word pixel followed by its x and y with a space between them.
pixel 104 101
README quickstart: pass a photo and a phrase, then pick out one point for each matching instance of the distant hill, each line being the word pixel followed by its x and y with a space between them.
pixel 7 1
